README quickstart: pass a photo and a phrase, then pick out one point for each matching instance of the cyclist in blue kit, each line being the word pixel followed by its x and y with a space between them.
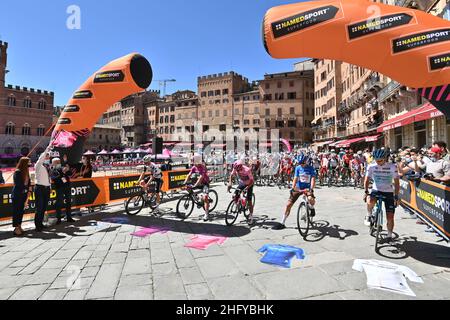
pixel 304 183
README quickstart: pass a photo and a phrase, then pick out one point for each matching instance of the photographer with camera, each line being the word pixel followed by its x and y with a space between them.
pixel 411 163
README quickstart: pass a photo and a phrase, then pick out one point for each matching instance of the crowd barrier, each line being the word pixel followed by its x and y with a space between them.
pixel 93 192
pixel 429 200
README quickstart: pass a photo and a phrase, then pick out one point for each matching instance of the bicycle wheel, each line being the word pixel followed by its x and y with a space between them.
pixel 303 220
pixel 152 202
pixel 213 200
pixel 379 227
pixel 185 207
pixel 134 205
pixel 232 213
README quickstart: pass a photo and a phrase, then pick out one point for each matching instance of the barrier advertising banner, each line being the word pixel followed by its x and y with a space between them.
pixel 429 200
pixel 93 192
pixel 85 193
pixel 435 204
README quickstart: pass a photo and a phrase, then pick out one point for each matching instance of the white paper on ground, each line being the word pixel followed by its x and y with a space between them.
pixel 387 276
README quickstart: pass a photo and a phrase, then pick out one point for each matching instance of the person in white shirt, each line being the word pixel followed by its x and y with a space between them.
pixel 42 189
pixel 386 183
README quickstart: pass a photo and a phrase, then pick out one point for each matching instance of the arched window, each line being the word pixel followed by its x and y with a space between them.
pixel 41 130
pixel 27 102
pixel 10 128
pixel 26 130
pixel 11 101
pixel 42 104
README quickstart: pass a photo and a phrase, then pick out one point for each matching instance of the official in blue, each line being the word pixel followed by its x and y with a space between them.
pixel 20 194
pixel 42 189
pixel 304 183
pixel 61 181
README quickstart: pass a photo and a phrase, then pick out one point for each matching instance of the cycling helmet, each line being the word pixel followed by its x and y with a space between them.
pixel 303 159
pixel 380 154
pixel 197 159
pixel 238 165
pixel 147 159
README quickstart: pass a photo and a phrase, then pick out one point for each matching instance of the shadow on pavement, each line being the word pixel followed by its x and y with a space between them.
pixel 322 229
pixel 429 253
pixel 390 249
pixel 187 226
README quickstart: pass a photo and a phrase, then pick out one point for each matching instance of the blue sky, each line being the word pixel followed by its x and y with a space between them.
pixel 181 38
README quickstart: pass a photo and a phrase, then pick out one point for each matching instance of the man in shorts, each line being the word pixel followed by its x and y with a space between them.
pixel 200 172
pixel 386 183
pixel 155 177
pixel 304 182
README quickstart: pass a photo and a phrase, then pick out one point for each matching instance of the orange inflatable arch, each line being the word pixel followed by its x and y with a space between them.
pixel 115 81
pixel 409 46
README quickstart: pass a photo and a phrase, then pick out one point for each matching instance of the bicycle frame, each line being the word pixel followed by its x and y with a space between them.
pixel 197 200
pixel 379 216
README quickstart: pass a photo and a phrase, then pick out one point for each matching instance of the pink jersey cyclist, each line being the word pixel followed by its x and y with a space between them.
pixel 245 176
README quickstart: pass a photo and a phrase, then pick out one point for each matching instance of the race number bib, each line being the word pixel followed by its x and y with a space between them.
pixel 304 178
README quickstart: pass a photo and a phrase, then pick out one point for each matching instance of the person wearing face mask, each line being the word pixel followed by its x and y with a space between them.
pixel 86 168
pixel 437 169
pixel 42 189
pixel 61 181
pixel 443 146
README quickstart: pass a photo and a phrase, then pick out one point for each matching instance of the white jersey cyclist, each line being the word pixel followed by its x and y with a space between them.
pixel 154 171
pixel 383 176
pixel 334 161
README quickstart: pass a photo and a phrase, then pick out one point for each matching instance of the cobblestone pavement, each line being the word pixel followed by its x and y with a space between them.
pixel 90 260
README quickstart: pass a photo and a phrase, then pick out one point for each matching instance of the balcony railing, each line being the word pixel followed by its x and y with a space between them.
pixel 372 82
pixel 424 5
pixel 373 125
pixel 342 124
pixel 329 124
pixel 401 3
pixel 388 90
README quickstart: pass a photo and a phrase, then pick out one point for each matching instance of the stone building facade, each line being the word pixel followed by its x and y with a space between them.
pixel 26 116
pixel 287 105
pixel 215 94
pixel 368 102
pixel 104 137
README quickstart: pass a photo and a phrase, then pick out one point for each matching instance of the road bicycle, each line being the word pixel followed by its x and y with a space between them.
pixel 322 177
pixel 345 176
pixel 283 180
pixel 237 206
pixel 331 178
pixel 186 204
pixel 357 179
pixel 135 204
pixel 304 218
pixel 377 220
